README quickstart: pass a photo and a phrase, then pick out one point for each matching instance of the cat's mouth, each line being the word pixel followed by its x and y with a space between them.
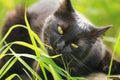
pixel 63 51
pixel 57 50
pixel 59 45
pixel 55 47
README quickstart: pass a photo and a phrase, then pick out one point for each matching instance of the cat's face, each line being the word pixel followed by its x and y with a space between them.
pixel 68 33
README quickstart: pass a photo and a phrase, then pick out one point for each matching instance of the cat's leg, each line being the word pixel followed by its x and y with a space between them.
pixel 18 34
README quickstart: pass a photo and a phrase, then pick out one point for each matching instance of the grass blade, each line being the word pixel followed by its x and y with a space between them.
pixel 12 76
pixel 26 65
pixel 7 66
pixel 9 31
pixel 56 76
pixel 111 62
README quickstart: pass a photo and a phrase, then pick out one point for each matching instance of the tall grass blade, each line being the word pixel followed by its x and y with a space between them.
pixel 30 33
pixel 111 62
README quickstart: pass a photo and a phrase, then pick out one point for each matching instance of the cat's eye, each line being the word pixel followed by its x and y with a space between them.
pixel 74 45
pixel 60 30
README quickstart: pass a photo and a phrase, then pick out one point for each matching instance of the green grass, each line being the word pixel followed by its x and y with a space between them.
pixel 115 49
pixel 100 12
pixel 44 60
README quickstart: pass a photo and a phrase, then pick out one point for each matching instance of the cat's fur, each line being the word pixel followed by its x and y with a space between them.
pixel 91 57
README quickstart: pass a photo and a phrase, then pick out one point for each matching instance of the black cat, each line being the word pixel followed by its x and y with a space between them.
pixel 68 32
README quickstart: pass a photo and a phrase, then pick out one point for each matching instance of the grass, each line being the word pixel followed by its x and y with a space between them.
pixel 44 60
pixel 115 48
pixel 98 11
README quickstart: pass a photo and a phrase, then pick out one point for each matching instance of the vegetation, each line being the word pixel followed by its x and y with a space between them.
pixel 100 12
pixel 44 60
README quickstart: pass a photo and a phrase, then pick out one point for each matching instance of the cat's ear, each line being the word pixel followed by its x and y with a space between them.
pixel 99 31
pixel 66 6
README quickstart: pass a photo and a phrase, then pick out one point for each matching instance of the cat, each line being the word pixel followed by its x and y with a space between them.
pixel 67 32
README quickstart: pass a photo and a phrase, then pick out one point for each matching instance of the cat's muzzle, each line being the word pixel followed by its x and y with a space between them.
pixel 60 46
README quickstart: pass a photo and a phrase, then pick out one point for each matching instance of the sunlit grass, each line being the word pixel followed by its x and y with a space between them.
pixel 100 12
pixel 94 13
pixel 44 60
pixel 113 54
pixel 12 76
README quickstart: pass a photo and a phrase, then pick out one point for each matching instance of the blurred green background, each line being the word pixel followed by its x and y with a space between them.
pixel 99 12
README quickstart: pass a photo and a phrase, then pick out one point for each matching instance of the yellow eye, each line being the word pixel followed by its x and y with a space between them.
pixel 60 30
pixel 74 45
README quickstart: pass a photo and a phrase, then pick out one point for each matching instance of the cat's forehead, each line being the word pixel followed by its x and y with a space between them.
pixel 59 20
pixel 74 20
pixel 65 17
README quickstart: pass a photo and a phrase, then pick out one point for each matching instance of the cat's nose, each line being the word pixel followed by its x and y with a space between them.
pixel 60 45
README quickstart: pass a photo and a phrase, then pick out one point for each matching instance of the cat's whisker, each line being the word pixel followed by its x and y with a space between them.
pixel 81 63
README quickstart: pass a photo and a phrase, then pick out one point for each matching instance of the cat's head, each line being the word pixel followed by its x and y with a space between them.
pixel 69 32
